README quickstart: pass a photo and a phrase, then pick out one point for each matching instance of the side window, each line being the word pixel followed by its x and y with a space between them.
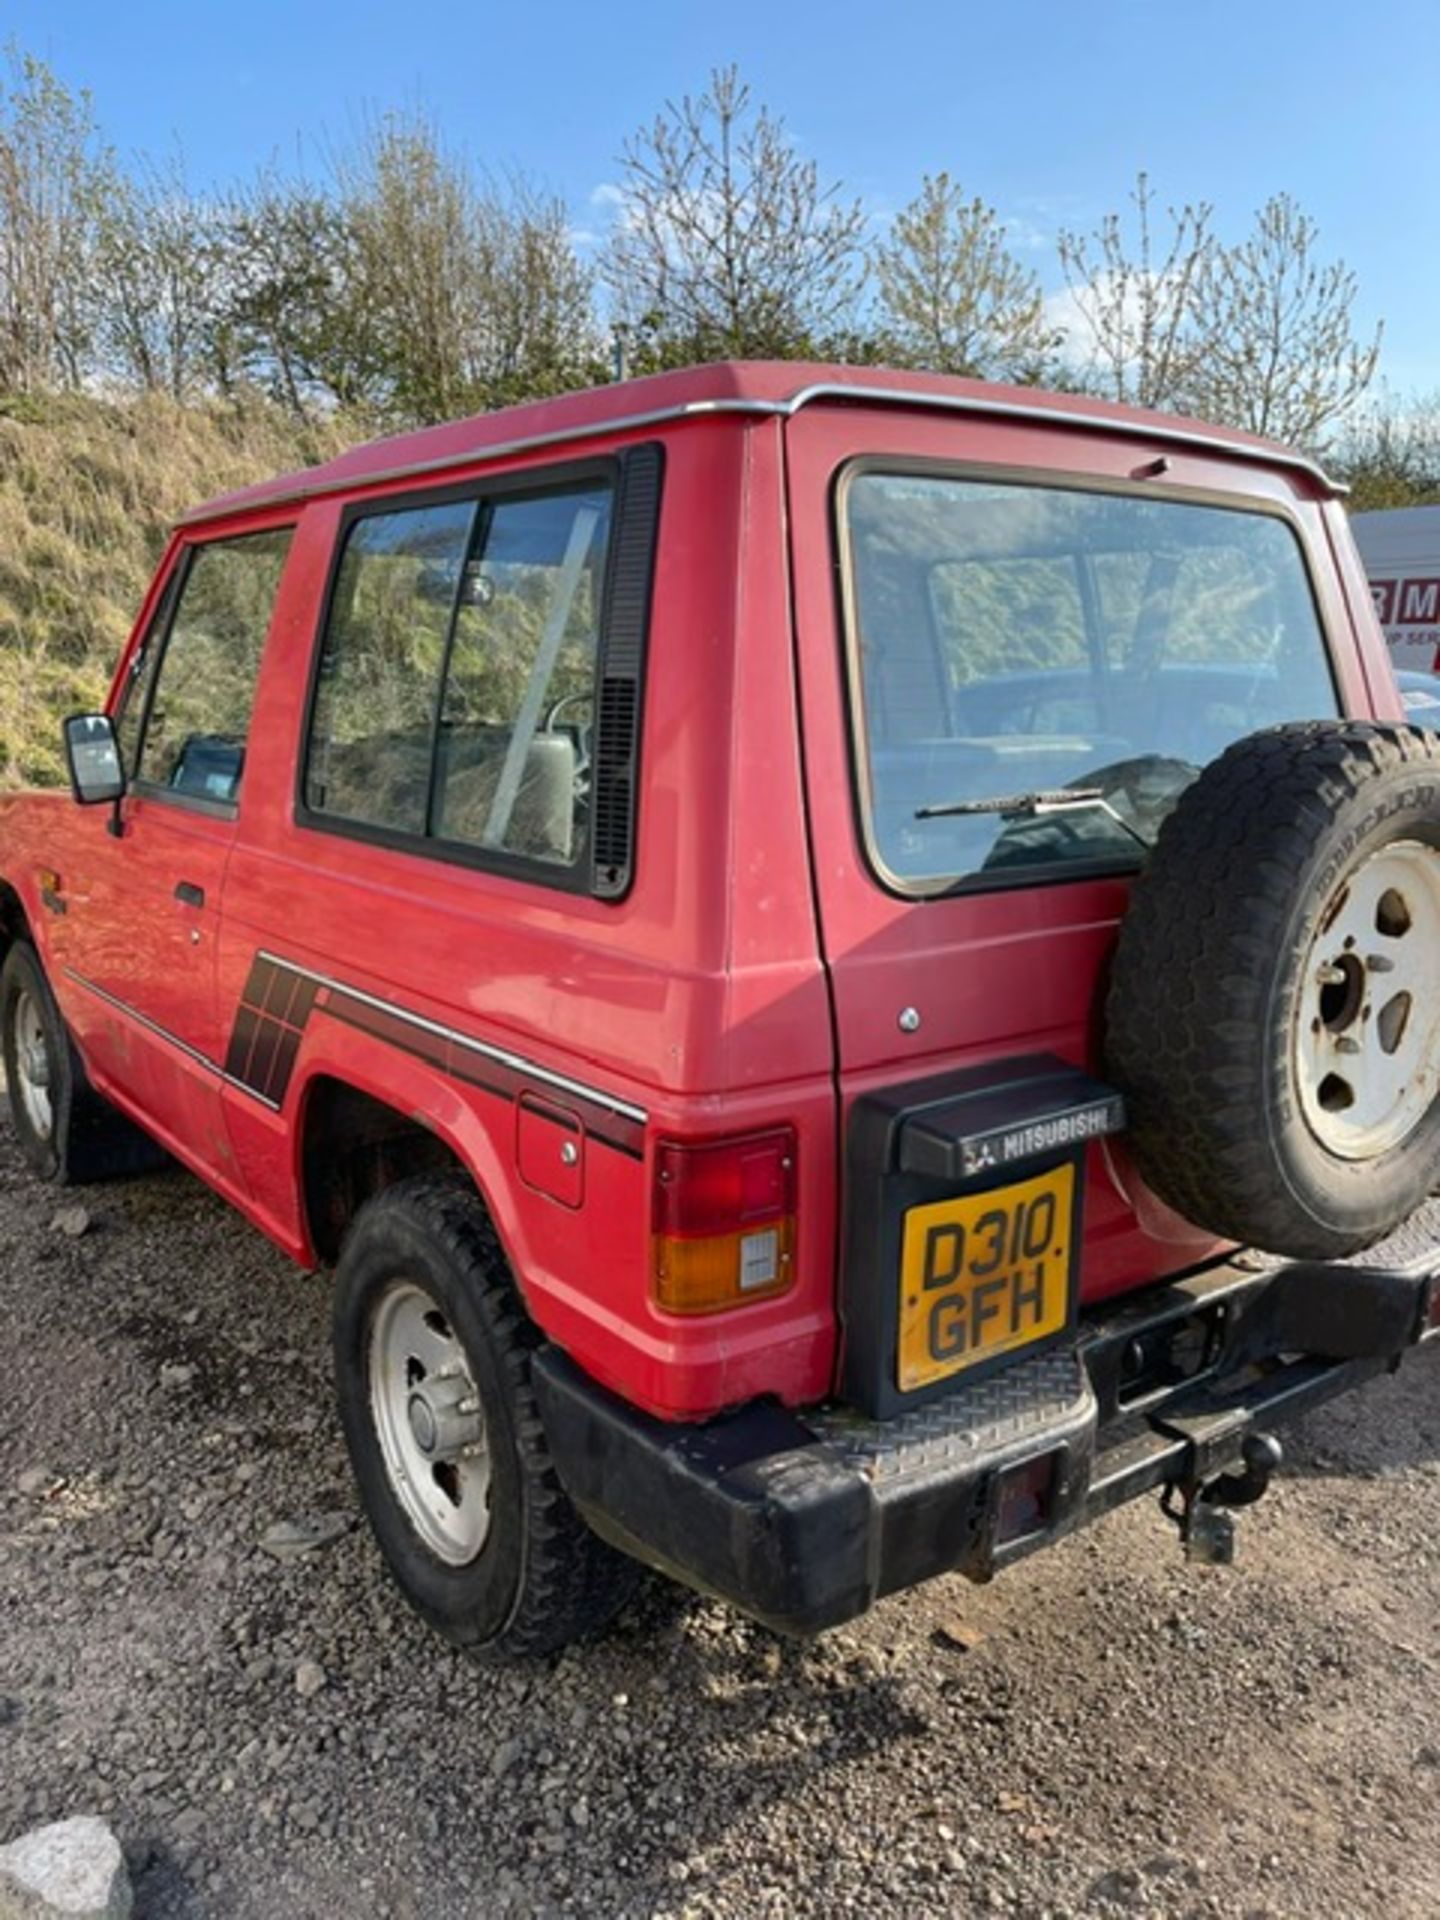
pixel 384 648
pixel 513 763
pixel 199 718
pixel 455 692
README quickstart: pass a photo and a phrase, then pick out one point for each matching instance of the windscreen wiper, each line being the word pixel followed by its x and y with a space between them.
pixel 1021 806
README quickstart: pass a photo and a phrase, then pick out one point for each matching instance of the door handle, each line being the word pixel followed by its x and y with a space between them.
pixel 188 894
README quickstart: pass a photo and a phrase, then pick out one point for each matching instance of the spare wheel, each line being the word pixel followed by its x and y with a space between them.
pixel 1274 1010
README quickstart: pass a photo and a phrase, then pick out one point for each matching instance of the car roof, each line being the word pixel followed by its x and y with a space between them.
pixel 756 387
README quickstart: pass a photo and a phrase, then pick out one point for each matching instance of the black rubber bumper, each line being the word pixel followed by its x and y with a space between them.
pixel 804 1520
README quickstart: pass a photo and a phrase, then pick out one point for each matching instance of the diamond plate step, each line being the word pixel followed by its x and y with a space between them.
pixel 992 1419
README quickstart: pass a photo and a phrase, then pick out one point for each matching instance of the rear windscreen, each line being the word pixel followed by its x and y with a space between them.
pixel 1038 672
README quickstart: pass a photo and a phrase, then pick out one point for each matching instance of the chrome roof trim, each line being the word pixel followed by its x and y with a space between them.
pixel 1177 434
pixel 1162 431
pixel 498 450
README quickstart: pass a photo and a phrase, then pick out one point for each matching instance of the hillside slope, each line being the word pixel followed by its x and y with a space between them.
pixel 88 491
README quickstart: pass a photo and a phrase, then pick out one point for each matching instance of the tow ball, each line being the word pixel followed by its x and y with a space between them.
pixel 1204 1510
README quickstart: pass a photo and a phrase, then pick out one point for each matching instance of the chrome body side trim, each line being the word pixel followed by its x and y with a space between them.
pixel 194 1054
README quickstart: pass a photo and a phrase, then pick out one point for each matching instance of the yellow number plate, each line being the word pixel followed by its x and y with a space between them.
pixel 984 1275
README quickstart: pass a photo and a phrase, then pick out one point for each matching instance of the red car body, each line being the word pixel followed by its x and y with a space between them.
pixel 755 974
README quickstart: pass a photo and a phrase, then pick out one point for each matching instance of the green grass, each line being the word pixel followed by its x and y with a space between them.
pixel 89 489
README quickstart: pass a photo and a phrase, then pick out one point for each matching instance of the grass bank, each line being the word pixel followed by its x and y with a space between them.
pixel 88 490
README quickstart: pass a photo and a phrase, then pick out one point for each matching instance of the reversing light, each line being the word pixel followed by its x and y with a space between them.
pixel 723 1221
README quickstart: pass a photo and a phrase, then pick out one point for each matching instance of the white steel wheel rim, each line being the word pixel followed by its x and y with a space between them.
pixel 428 1421
pixel 32 1064
pixel 1367 1031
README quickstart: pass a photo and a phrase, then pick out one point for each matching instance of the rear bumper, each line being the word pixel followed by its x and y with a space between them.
pixel 805 1520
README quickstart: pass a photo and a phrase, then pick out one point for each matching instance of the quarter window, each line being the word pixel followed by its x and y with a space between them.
pixel 198 722
pixel 457 675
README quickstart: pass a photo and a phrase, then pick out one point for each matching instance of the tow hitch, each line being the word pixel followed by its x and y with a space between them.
pixel 1204 1510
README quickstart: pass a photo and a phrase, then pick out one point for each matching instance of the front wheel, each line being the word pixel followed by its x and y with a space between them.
pixel 37 1062
pixel 432 1365
pixel 66 1131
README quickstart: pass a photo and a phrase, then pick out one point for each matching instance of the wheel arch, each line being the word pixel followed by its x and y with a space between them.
pixel 355 1137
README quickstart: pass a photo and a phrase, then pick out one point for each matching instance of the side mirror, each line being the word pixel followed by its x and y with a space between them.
pixel 93 755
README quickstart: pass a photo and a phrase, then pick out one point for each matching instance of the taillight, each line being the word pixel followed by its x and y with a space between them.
pixel 724 1221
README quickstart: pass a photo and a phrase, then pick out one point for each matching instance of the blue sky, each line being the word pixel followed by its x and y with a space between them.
pixel 1045 109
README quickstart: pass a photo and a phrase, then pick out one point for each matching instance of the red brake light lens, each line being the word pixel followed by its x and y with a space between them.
pixel 724 1185
pixel 723 1221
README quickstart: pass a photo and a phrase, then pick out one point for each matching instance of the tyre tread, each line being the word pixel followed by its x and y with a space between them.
pixel 1228 867
pixel 572 1583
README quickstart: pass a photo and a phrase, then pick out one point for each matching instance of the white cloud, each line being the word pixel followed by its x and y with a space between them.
pixel 1065 314
pixel 1027 234
pixel 1068 310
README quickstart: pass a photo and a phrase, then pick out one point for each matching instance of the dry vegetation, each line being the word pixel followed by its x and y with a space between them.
pixel 239 327
pixel 88 490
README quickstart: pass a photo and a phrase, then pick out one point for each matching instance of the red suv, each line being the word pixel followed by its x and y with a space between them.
pixel 783 930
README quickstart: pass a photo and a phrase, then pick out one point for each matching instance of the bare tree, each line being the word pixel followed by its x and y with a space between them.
pixel 474 291
pixel 1279 353
pixel 1138 296
pixel 1259 335
pixel 726 242
pixel 53 173
pixel 536 331
pixel 953 295
pixel 409 210
pixel 159 273
pixel 298 318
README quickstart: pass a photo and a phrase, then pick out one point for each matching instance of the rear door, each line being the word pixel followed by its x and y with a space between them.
pixel 145 901
pixel 988 607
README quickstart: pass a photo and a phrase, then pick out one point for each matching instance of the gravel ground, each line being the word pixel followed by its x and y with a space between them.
pixel 1103 1731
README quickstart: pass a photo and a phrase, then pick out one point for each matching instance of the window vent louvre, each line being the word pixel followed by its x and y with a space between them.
pixel 617 719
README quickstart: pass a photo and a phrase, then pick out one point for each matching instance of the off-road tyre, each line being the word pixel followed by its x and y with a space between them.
pixel 1206 993
pixel 87 1139
pixel 541 1579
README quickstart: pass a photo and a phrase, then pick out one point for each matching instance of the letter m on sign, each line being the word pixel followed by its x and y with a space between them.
pixel 1419 603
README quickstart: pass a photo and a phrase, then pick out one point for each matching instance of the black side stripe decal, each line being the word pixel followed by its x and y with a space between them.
pixel 274 1010
pixel 276 1007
